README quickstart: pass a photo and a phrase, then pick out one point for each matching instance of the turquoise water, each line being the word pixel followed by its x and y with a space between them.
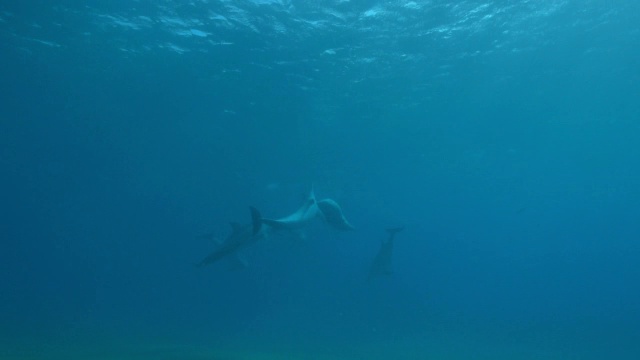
pixel 503 136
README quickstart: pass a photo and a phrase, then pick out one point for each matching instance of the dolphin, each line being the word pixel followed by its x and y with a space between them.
pixel 327 209
pixel 382 262
pixel 299 219
pixel 241 236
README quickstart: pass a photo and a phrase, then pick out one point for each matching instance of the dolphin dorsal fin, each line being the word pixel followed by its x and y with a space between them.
pixel 235 226
pixel 312 194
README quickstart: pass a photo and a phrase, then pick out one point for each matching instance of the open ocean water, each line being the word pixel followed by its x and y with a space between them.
pixel 503 136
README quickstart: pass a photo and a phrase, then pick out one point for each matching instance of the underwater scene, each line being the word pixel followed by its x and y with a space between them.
pixel 320 179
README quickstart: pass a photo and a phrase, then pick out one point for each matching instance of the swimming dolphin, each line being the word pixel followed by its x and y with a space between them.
pixel 327 209
pixel 241 236
pixel 382 262
pixel 299 219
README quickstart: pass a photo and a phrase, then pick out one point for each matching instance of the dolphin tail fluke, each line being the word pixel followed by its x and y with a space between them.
pixel 256 220
pixel 395 230
pixel 332 214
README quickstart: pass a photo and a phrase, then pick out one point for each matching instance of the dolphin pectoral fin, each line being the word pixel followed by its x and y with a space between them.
pixel 256 220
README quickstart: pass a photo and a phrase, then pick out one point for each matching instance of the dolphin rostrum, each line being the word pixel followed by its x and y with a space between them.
pixel 382 262
pixel 241 236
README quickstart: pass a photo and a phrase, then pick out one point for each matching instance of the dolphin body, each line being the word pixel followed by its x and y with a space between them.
pixel 381 265
pixel 327 209
pixel 241 236
pixel 244 235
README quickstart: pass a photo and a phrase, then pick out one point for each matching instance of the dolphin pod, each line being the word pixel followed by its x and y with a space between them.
pixel 259 228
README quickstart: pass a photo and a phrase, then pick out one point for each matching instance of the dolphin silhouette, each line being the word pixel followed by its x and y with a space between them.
pixel 327 209
pixel 241 236
pixel 382 262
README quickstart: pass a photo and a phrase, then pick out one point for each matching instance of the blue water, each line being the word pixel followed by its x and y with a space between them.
pixel 503 135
